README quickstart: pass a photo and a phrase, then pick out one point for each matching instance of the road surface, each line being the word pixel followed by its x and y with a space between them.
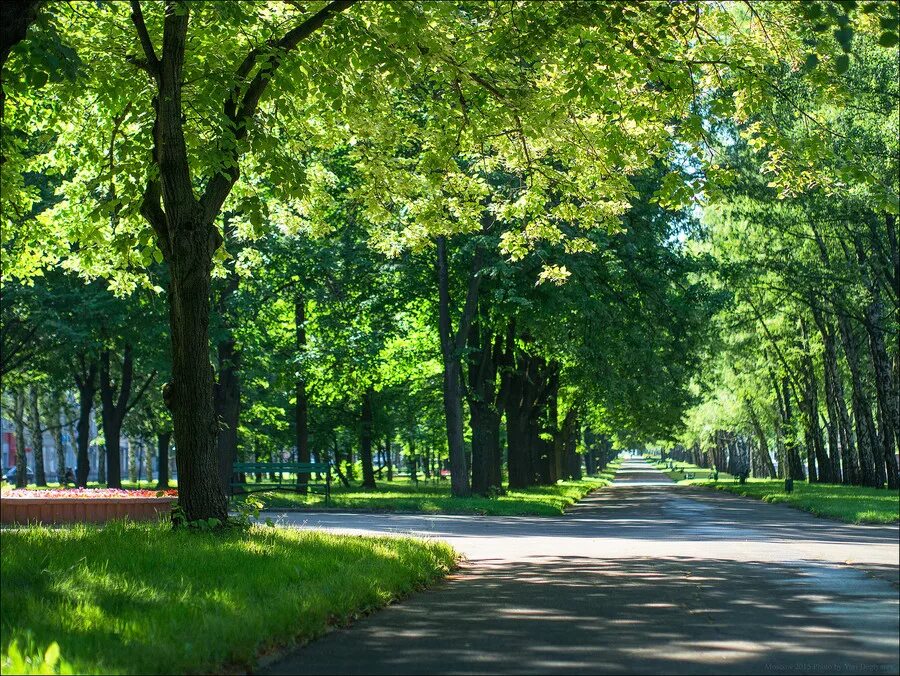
pixel 643 577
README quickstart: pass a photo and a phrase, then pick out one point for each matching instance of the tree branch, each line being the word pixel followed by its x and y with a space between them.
pixel 140 392
pixel 240 109
pixel 137 18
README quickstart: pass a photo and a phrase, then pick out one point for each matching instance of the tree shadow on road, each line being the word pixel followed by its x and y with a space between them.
pixel 643 615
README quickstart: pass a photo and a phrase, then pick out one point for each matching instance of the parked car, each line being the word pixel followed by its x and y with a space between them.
pixel 10 476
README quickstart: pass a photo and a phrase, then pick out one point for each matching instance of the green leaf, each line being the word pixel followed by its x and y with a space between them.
pixel 812 60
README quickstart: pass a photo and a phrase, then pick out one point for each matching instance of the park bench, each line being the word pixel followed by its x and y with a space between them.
pixel 741 477
pixel 688 475
pixel 287 477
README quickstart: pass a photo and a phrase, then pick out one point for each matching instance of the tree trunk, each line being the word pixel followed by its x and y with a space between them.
pixel 866 439
pixel 37 437
pixel 821 469
pixel 59 408
pixel 388 451
pixel 301 406
pixel 114 405
pixel 848 471
pixel 148 461
pixel 132 455
pixel 162 455
pixel 763 444
pixel 86 380
pixel 451 344
pixel 365 440
pixel 791 460
pixel 572 467
pixel 885 391
pixel 484 418
pixel 19 420
pixel 227 393
pixel 518 447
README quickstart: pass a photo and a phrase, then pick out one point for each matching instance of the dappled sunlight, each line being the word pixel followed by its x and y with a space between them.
pixel 645 615
pixel 180 601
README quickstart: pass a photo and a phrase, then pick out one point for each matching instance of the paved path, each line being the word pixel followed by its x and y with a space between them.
pixel 643 577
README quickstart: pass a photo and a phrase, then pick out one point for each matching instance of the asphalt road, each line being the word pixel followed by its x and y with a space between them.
pixel 644 577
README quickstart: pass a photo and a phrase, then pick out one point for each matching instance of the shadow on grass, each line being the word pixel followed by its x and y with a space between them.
pixel 139 599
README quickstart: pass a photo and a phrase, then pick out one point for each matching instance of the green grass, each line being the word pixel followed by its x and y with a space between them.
pixel 139 598
pixel 401 495
pixel 854 504
pixel 682 469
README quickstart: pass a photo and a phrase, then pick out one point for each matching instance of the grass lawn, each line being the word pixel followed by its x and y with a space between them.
pixel 682 469
pixel 401 495
pixel 139 598
pixel 854 504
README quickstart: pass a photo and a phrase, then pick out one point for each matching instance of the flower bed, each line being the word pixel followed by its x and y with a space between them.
pixel 84 505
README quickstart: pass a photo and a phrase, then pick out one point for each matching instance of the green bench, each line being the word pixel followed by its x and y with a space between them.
pixel 282 480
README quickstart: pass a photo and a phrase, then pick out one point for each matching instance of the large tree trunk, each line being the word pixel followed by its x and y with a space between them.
pixel 162 455
pixel 484 417
pixel 37 437
pixel 517 436
pixel 365 440
pixel 228 409
pixel 113 406
pixel 301 406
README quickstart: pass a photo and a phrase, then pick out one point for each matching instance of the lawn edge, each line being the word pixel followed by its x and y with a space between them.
pixel 273 654
pixel 795 507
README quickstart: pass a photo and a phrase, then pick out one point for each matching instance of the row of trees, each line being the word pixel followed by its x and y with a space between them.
pixel 347 206
pixel 808 367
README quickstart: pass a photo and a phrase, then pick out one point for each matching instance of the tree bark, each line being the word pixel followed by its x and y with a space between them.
pixel 86 381
pixel 365 440
pixel 518 447
pixel 19 420
pixel 113 405
pixel 847 470
pixel 762 443
pixel 484 418
pixel 885 390
pixel 60 412
pixel 301 407
pixel 37 437
pixel 227 392
pixel 162 459
pixel 451 346
pixel 866 439
pixel 131 459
